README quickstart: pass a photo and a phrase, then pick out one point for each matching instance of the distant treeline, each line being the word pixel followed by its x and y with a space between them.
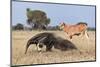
pixel 22 27
pixel 91 29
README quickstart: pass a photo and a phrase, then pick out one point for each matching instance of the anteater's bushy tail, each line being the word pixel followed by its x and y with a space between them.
pixel 63 45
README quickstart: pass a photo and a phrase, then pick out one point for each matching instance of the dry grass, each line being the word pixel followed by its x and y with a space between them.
pixel 20 38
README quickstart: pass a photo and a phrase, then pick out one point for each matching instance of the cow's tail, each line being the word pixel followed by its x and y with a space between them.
pixel 27 46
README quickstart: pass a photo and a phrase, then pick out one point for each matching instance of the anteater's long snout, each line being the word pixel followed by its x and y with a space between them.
pixel 27 46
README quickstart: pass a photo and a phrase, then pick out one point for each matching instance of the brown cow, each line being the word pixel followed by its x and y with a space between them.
pixel 71 30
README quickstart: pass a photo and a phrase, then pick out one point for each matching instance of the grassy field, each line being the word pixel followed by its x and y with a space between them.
pixel 20 38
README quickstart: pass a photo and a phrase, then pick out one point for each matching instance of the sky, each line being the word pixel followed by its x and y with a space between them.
pixel 68 13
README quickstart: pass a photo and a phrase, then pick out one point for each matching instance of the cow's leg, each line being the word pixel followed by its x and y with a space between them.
pixel 66 34
pixel 82 34
pixel 86 34
pixel 70 36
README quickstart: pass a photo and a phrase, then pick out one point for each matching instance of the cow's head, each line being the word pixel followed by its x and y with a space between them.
pixel 62 25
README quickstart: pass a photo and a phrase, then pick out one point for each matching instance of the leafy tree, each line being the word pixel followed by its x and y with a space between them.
pixel 18 27
pixel 37 18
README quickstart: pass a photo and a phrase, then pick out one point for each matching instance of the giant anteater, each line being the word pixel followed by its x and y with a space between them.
pixel 49 40
pixel 46 37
